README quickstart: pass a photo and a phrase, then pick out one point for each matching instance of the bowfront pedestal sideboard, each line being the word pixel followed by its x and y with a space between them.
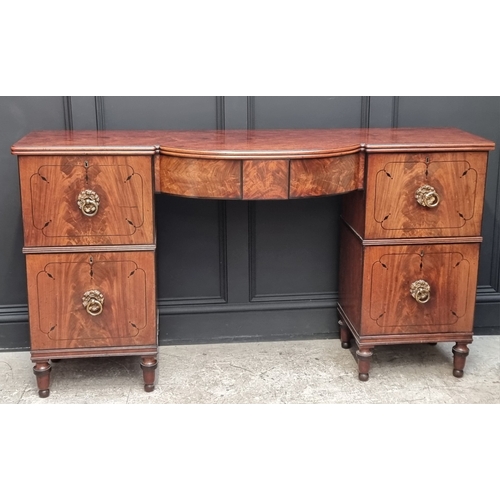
pixel 411 229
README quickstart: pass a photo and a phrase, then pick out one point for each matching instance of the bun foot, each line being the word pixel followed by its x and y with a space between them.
pixel 42 372
pixel 148 365
pixel 460 353
pixel 364 355
pixel 345 335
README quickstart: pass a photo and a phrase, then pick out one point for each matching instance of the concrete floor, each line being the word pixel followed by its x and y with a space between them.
pixel 309 371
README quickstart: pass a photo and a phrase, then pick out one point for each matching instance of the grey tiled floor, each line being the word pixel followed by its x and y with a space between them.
pixel 310 371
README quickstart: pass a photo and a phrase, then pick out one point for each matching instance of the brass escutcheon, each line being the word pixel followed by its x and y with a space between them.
pixel 93 302
pixel 426 196
pixel 421 291
pixel 88 202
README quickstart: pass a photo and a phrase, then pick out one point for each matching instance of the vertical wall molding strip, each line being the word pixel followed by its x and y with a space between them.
pixel 495 265
pixel 220 113
pixel 99 113
pixel 68 113
pixel 395 112
pixel 223 279
pixel 252 251
pixel 365 112
pixel 250 112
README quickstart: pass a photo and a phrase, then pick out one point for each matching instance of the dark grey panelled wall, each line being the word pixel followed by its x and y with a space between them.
pixel 241 270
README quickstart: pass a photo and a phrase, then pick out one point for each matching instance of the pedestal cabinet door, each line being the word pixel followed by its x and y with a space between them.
pixel 86 200
pixel 419 289
pixel 419 195
pixel 91 300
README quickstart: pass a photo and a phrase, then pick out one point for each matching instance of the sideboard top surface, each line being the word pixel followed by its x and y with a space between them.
pixel 278 143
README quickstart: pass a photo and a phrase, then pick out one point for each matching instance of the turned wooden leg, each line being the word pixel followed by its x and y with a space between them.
pixel 148 365
pixel 42 372
pixel 345 335
pixel 460 353
pixel 364 355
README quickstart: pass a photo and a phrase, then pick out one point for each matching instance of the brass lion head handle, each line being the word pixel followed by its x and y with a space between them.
pixel 421 291
pixel 427 197
pixel 93 302
pixel 88 202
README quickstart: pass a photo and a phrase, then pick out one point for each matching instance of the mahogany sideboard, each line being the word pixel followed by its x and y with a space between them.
pixel 411 229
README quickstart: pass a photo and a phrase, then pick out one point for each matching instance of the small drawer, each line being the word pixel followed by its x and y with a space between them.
pixel 91 300
pixel 326 176
pixel 200 178
pixel 419 288
pixel 86 200
pixel 420 195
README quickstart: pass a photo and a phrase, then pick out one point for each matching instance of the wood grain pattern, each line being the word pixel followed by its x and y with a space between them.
pixel 387 306
pixel 325 176
pixel 427 240
pixel 371 341
pixel 89 248
pixel 156 170
pixel 378 140
pixel 50 187
pixel 353 210
pixel 94 352
pixel 351 262
pixel 273 144
pixel 261 144
pixel 265 179
pixel 393 179
pixel 86 142
pixel 389 241
pixel 375 299
pixel 57 283
pixel 219 179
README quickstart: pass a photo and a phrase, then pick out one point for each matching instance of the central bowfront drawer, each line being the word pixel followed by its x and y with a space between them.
pixel 260 178
pixel 424 194
pixel 86 200
pixel 101 299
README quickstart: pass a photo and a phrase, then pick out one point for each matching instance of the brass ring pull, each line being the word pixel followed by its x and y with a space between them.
pixel 421 291
pixel 88 202
pixel 93 302
pixel 427 197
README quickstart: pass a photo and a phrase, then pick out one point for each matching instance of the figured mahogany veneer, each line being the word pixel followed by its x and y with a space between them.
pixel 326 176
pixel 265 179
pixel 377 298
pixel 270 179
pixel 58 282
pixel 390 210
pixel 50 208
pixel 273 144
pixel 412 210
pixel 197 178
